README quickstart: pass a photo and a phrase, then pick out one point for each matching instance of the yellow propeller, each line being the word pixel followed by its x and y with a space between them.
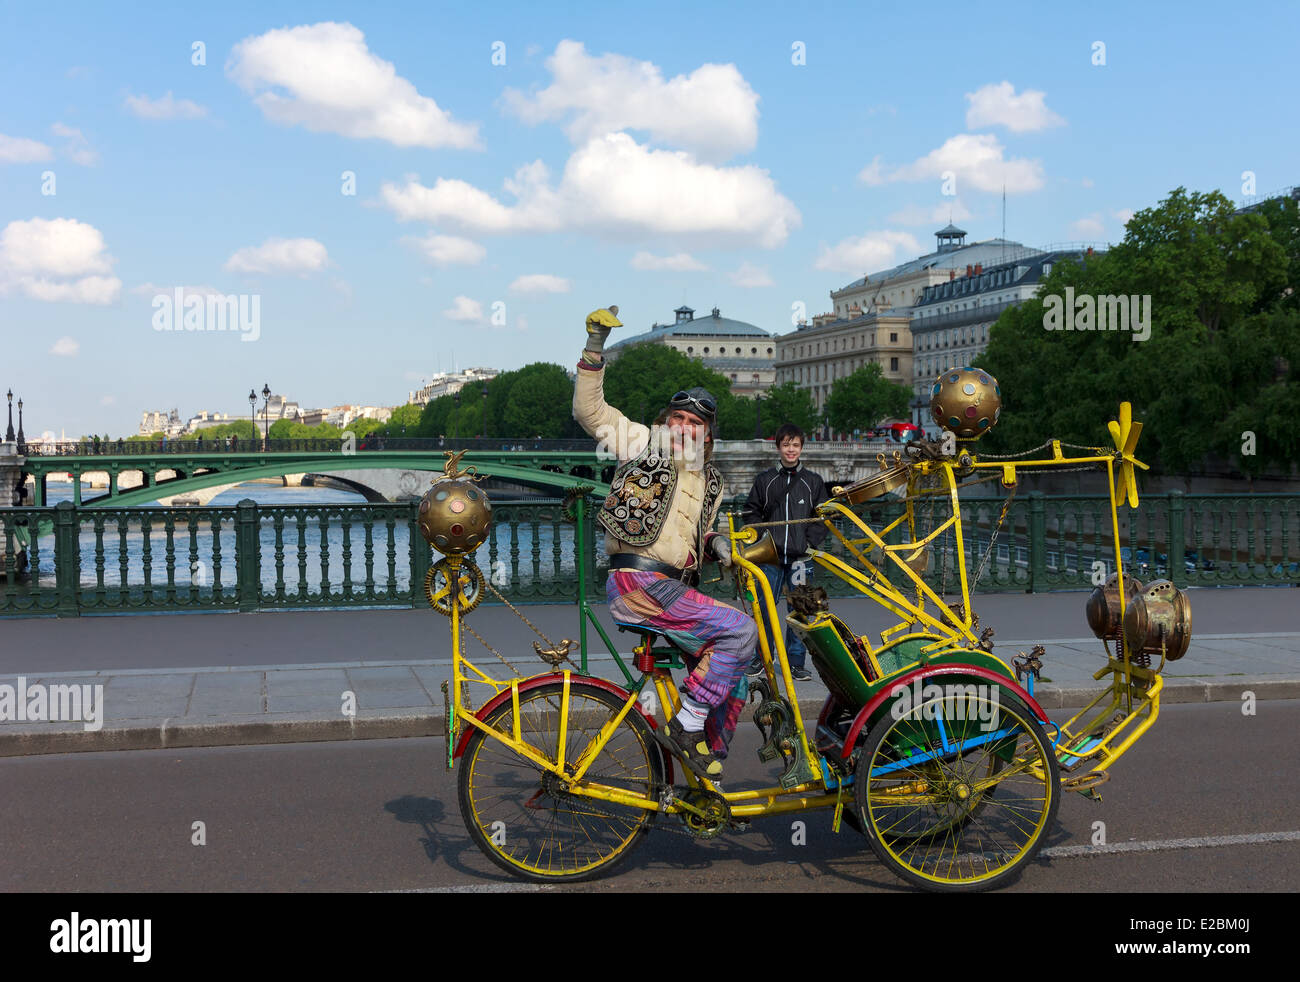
pixel 1125 433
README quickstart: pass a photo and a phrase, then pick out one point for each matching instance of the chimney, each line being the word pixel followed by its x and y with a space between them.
pixel 1090 250
pixel 716 313
pixel 952 275
pixel 969 267
pixel 979 268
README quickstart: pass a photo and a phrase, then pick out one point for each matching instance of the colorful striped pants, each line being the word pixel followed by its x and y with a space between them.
pixel 720 641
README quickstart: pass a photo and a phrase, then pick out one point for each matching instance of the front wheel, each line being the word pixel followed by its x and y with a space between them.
pixel 521 815
pixel 955 793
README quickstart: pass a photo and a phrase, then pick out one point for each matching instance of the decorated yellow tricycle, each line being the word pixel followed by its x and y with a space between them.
pixel 928 743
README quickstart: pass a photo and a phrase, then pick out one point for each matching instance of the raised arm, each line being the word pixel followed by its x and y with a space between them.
pixel 616 435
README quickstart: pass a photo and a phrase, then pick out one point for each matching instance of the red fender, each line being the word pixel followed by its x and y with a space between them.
pixel 540 680
pixel 933 671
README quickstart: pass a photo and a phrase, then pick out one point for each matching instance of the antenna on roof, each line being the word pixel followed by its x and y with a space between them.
pixel 1004 222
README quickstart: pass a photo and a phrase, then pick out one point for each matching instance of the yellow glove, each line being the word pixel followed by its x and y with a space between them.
pixel 599 324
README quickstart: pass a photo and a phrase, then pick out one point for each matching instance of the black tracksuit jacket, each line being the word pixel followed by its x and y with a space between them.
pixel 780 494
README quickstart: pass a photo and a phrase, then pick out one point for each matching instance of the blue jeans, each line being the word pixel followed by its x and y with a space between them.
pixel 777 577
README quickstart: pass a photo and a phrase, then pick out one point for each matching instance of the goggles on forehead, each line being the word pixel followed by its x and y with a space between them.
pixel 704 407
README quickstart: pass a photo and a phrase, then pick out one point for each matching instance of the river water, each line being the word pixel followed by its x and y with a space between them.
pixel 196 563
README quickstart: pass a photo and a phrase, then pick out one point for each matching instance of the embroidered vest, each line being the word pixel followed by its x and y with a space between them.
pixel 641 496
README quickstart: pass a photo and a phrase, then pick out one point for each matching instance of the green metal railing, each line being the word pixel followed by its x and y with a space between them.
pixel 256 557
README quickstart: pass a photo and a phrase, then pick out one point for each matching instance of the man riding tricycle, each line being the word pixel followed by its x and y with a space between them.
pixel 927 742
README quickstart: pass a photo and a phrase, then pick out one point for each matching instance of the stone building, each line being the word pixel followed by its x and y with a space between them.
pixel 742 352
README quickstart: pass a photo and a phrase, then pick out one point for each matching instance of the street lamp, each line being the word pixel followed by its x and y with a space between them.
pixel 758 412
pixel 9 433
pixel 21 439
pixel 252 409
pixel 266 409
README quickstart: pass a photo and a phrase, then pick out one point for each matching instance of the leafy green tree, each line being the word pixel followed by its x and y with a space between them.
pixel 408 416
pixel 862 399
pixel 1221 358
pixel 788 403
pixel 434 419
pixel 645 378
pixel 539 402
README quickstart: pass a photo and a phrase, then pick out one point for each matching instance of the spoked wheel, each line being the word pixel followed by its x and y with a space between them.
pixel 957 796
pixel 523 818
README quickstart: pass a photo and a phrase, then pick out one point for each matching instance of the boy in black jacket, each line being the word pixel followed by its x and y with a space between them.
pixel 780 494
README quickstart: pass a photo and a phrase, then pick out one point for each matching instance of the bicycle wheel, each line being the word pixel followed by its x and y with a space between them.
pixel 519 814
pixel 957 796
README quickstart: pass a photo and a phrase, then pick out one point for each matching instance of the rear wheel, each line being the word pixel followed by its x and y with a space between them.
pixel 523 818
pixel 957 796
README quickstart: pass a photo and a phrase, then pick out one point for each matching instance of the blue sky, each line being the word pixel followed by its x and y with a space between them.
pixel 621 154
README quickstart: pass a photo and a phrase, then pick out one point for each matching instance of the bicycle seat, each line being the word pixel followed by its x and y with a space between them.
pixel 655 635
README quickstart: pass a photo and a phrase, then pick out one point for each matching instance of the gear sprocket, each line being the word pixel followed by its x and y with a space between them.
pixel 437 580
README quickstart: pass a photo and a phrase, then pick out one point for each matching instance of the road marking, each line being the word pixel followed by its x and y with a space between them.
pixel 1159 845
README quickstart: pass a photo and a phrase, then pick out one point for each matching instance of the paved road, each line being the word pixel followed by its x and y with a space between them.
pixel 382 815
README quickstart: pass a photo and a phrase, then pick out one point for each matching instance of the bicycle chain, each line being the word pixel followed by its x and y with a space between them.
pixel 667 797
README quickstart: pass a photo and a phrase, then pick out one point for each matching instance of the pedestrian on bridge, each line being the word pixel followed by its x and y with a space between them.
pixel 787 493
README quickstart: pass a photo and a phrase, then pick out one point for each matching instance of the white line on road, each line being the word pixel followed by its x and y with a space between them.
pixel 1158 845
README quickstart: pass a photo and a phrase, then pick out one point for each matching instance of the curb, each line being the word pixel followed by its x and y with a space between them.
pixel 384 724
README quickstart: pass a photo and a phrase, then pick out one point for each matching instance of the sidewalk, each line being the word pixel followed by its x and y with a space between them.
pixel 148 707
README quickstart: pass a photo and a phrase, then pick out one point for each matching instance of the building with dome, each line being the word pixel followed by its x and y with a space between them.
pixel 740 351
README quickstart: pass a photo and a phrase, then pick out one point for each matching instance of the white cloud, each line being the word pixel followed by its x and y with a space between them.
pixel 465 309
pixel 614 186
pixel 749 275
pixel 976 160
pixel 65 347
pixel 76 146
pixel 325 78
pixel 868 253
pixel 1089 227
pixel 712 111
pixel 1125 215
pixel 57 260
pixel 20 150
pixel 1086 182
pixel 540 283
pixel 919 215
pixel 998 105
pixel 165 108
pixel 680 262
pixel 300 256
pixel 521 323
pixel 108 400
pixel 447 250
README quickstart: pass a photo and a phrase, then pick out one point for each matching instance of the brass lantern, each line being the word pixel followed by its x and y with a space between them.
pixel 1103 606
pixel 1161 613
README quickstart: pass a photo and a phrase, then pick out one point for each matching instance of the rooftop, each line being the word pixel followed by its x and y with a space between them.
pixel 714 325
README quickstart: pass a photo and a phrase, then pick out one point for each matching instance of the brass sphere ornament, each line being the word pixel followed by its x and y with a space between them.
pixel 455 514
pixel 967 401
